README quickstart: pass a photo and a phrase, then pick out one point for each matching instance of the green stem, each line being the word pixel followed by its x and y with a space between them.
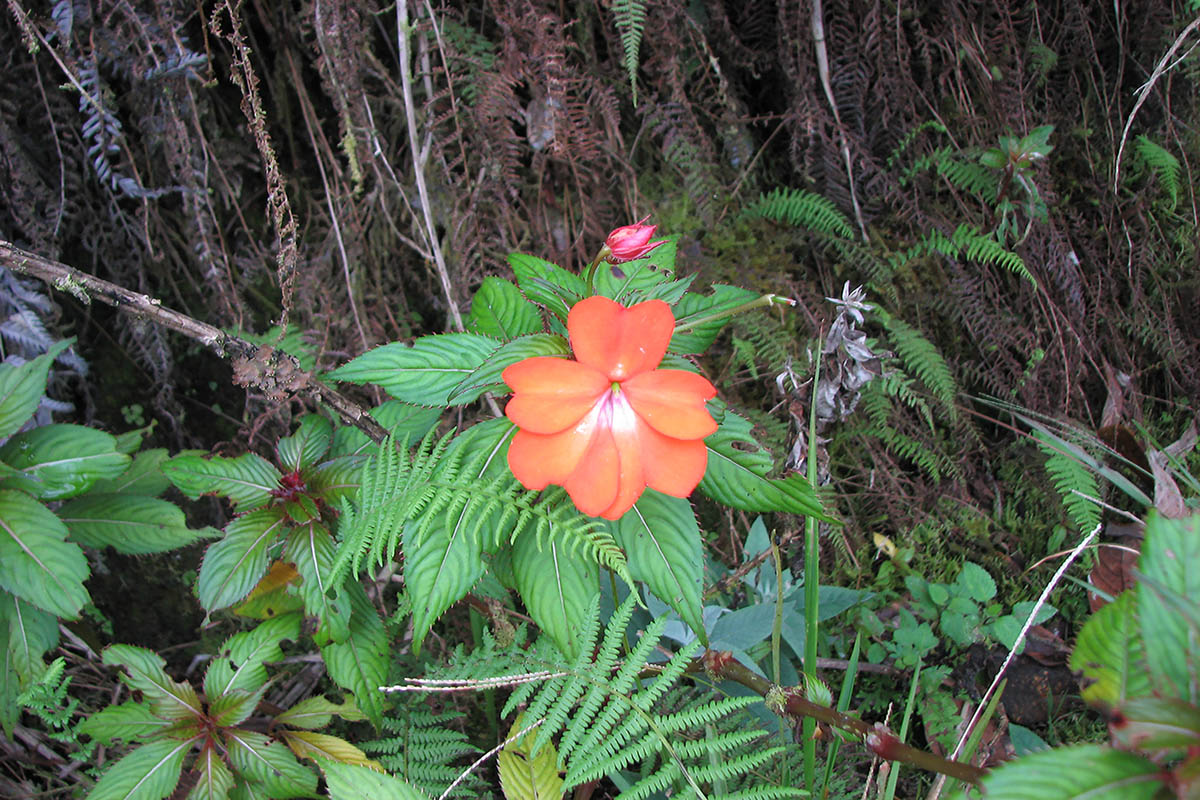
pixel 778 627
pixel 589 275
pixel 758 302
pixel 812 585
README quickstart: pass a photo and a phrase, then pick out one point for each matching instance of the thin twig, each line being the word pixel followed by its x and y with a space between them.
pixel 262 366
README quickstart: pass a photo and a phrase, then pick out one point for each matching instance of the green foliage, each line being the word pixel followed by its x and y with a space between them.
pixel 423 373
pixel 630 16
pixel 427 750
pixel 1162 163
pixel 922 359
pixel 802 209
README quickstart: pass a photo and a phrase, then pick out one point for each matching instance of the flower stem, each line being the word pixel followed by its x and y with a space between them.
pixel 812 578
pixel 589 275
pixel 759 302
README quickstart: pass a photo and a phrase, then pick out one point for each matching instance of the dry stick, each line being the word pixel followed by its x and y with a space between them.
pixel 270 369
pixel 791 700
pixel 818 29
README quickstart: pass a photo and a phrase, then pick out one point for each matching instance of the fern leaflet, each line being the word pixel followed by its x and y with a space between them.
pixel 1163 163
pixel 804 210
pixel 631 20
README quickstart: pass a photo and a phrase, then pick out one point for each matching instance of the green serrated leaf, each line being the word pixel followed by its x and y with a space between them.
pixel 352 782
pixel 1110 651
pixel 695 328
pixel 142 477
pixel 499 310
pixel 307 445
pixel 235 706
pixel 440 568
pixel 131 721
pixel 424 372
pixel 318 746
pixel 317 712
pixel 1157 723
pixel 310 549
pixel 737 477
pixel 241 665
pixel 487 377
pixel 547 284
pixel 59 461
pixel 255 756
pixel 557 586
pixel 131 524
pixel 144 672
pixel 335 479
pixel 21 388
pixel 662 546
pixel 360 663
pixel 215 780
pixel 1169 556
pixel 36 562
pixel 232 566
pixel 633 281
pixel 150 772
pixel 31 633
pixel 977 582
pixel 247 480
pixel 1090 771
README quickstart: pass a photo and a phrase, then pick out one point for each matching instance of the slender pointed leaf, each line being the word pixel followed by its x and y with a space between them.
pixel 255 756
pixel 129 524
pixel 306 744
pixel 232 566
pixel 145 672
pixel 22 387
pixel 1090 771
pixel 499 310
pixel 36 562
pixel 310 548
pixel 359 664
pixel 150 772
pixel 557 586
pixel 1169 558
pixel 31 632
pixel 422 373
pixel 352 782
pixel 487 377
pixel 59 461
pixel 440 568
pixel 1110 652
pixel 215 779
pixel 307 445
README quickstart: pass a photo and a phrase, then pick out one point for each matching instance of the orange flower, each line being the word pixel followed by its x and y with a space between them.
pixel 610 424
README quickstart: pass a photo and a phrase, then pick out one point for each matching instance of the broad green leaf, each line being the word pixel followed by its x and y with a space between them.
pixel 317 712
pixel 1090 771
pixel 737 477
pixel 557 586
pixel 316 746
pixel 10 687
pixel 977 582
pixel 31 632
pixel 130 721
pixel 499 310
pixel 240 667
pixel 143 477
pixel 149 772
pixel 215 780
pixel 235 706
pixel 307 445
pixel 233 565
pixel 662 547
pixel 695 331
pixel 631 281
pixel 487 377
pixel 255 756
pixel 1110 653
pixel 351 782
pixel 132 524
pixel 59 461
pixel 547 284
pixel 310 549
pixel 525 775
pixel 335 479
pixel 405 419
pixel 424 372
pixel 21 388
pixel 1156 723
pixel 36 562
pixel 1169 558
pixel 440 568
pixel 360 663
pixel 247 480
pixel 144 672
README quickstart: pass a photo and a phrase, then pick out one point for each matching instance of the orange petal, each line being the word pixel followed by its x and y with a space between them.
pixel 551 394
pixel 672 402
pixel 593 485
pixel 620 342
pixel 537 460
pixel 627 432
pixel 673 466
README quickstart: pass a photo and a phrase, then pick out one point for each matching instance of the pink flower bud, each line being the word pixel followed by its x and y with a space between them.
pixel 631 241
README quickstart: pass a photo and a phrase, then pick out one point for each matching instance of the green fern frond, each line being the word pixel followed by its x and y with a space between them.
pixel 971 177
pixel 804 210
pixel 630 16
pixel 609 717
pixel 922 359
pixel 929 460
pixel 425 749
pixel 982 248
pixel 1069 476
pixel 906 142
pixel 899 385
pixel 1162 163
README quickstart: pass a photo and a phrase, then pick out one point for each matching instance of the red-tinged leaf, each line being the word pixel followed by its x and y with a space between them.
pixel 307 445
pixel 241 667
pixel 235 564
pixel 247 480
pixel 149 772
pixel 1156 723
pixel 215 780
pixel 256 757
